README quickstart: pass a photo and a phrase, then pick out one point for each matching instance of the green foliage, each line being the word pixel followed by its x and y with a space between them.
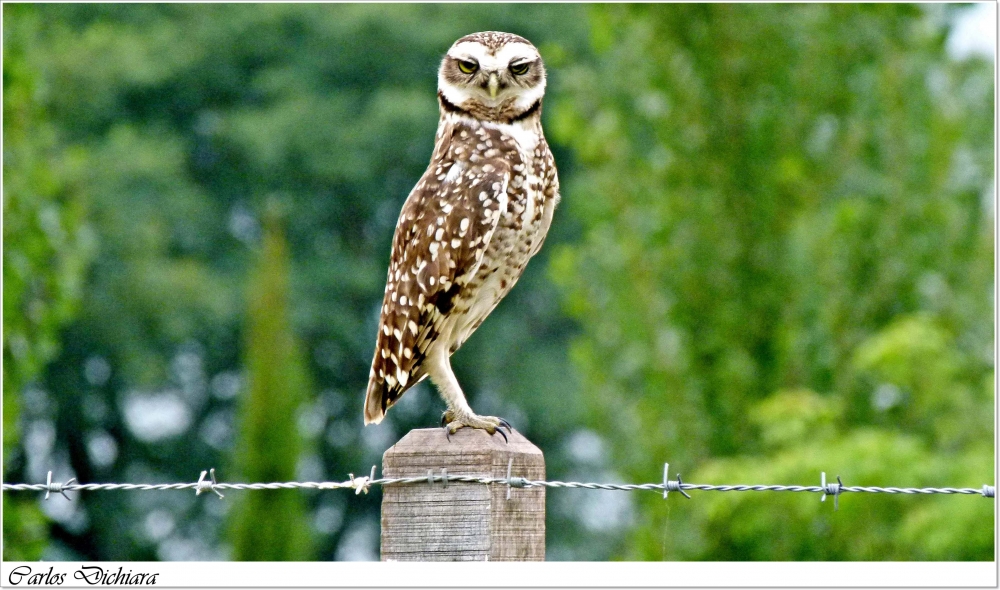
pixel 785 268
pixel 271 525
pixel 794 417
pixel 47 246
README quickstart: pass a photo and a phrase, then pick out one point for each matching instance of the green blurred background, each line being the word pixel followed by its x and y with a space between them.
pixel 774 257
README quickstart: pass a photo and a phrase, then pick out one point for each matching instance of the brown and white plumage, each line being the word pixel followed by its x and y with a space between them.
pixel 470 225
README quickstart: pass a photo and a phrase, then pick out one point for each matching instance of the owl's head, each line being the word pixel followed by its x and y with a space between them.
pixel 492 75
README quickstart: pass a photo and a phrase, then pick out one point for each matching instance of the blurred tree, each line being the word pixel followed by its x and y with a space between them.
pixel 271 525
pixel 47 246
pixel 786 268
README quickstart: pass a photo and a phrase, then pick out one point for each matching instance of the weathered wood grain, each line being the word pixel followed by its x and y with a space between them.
pixel 462 521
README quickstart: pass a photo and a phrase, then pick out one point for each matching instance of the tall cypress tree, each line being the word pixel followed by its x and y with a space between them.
pixel 270 525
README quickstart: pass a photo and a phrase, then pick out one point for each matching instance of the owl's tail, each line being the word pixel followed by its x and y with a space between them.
pixel 392 372
pixel 383 389
pixel 374 406
pixel 382 395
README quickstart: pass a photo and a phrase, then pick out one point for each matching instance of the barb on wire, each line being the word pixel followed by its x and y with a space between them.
pixel 833 489
pixel 57 487
pixel 680 487
pixel 207 485
pixel 363 484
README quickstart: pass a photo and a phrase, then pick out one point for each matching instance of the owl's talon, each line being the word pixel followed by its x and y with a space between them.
pixel 490 424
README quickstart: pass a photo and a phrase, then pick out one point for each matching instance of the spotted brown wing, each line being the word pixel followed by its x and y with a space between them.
pixel 444 229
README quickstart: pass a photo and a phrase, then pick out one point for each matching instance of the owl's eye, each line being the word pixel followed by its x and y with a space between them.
pixel 467 67
pixel 519 69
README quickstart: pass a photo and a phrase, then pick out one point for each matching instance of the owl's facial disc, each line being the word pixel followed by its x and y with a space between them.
pixel 511 77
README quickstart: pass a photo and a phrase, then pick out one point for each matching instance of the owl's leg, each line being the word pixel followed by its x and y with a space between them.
pixel 459 414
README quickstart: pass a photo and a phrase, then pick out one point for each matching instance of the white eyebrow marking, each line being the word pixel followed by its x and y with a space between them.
pixel 515 50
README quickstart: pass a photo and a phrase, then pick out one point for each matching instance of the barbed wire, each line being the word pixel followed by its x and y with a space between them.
pixel 362 484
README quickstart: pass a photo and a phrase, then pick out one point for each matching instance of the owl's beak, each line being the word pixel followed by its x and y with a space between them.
pixel 494 85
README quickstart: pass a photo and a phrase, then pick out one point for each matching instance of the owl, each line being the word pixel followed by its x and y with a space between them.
pixel 480 211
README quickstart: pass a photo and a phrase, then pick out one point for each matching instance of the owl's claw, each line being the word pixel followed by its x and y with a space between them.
pixel 490 424
pixel 445 420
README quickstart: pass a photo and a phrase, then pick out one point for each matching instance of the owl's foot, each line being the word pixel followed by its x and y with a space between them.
pixel 491 424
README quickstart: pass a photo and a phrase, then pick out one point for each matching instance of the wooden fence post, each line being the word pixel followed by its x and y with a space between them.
pixel 462 521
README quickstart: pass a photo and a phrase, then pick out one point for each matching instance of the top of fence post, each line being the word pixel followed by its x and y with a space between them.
pixel 462 521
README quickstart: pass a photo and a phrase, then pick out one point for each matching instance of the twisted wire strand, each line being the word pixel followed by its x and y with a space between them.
pixel 362 484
